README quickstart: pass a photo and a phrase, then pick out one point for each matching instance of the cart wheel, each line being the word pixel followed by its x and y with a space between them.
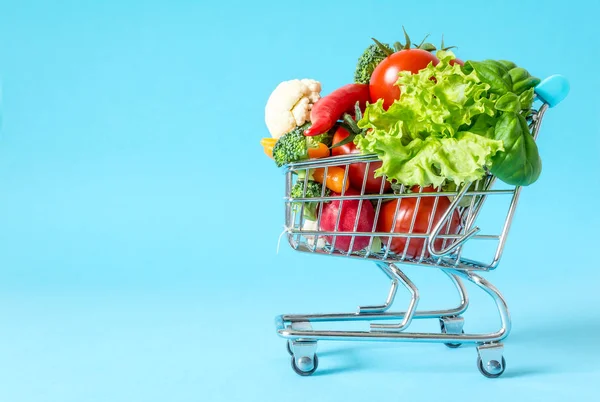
pixel 305 362
pixel 492 369
pixel 450 345
pixel 289 348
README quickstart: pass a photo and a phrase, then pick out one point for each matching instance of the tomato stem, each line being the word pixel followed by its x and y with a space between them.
pixel 382 47
pixel 423 41
pixel 446 48
pixel 357 112
pixel 407 46
pixel 351 123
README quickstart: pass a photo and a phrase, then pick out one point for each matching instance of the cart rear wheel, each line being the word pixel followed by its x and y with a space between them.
pixel 492 369
pixel 303 367
pixel 450 345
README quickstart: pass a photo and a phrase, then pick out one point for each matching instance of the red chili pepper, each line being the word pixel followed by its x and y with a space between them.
pixel 329 109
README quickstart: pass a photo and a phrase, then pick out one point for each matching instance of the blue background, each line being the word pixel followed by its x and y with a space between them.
pixel 139 218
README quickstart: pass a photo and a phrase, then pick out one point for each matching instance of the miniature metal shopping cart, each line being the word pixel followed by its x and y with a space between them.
pixel 440 247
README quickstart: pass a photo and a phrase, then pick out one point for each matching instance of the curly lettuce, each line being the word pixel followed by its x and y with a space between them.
pixel 447 126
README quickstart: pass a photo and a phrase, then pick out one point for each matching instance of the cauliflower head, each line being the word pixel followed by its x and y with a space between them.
pixel 290 104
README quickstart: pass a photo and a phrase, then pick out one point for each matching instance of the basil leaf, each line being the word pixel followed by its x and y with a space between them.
pixel 519 163
pixel 509 65
pixel 522 80
pixel 526 99
pixel 508 102
pixel 484 125
pixel 493 73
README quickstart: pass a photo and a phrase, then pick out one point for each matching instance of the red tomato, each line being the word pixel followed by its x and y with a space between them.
pixel 385 74
pixel 349 148
pixel 456 61
pixel 356 171
pixel 404 217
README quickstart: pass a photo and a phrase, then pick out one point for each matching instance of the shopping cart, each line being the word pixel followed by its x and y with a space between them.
pixel 441 246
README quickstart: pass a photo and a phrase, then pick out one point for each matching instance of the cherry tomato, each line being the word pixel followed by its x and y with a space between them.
pixel 385 75
pixel 404 217
pixel 340 134
pixel 356 171
pixel 456 61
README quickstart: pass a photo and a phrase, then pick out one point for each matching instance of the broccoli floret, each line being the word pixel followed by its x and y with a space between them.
pixel 313 189
pixel 293 146
pixel 367 62
pixel 325 138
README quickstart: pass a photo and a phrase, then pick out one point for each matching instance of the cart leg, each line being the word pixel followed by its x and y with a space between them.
pixel 462 292
pixel 490 359
pixel 391 294
pixel 498 299
pixel 453 324
pixel 412 307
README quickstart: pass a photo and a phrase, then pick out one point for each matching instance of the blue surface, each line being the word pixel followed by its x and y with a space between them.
pixel 139 217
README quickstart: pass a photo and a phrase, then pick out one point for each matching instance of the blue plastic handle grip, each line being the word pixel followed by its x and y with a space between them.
pixel 553 89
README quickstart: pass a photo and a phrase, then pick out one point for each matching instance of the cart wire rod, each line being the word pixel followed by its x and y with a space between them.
pixel 385 315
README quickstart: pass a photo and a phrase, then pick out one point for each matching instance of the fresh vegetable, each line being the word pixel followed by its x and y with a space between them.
pixel 313 189
pixel 334 180
pixel 367 62
pixel 329 109
pixel 384 78
pixel 321 151
pixel 425 137
pixel 347 211
pixel 356 171
pixel 511 89
pixel 309 225
pixel 382 84
pixel 349 148
pixel 295 146
pixel 268 144
pixel 422 214
pixel 521 164
pixel 290 104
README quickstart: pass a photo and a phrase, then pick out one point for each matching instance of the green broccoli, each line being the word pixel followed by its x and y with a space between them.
pixel 325 138
pixel 293 146
pixel 367 62
pixel 313 189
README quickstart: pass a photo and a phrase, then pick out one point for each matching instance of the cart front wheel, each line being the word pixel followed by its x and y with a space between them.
pixel 492 369
pixel 305 366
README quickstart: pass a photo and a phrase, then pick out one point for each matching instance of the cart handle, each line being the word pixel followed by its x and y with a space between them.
pixel 438 227
pixel 553 90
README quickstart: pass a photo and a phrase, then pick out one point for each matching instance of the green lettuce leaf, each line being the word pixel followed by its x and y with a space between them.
pixel 432 160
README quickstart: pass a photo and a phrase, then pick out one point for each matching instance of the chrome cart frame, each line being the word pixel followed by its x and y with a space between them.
pixel 440 247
